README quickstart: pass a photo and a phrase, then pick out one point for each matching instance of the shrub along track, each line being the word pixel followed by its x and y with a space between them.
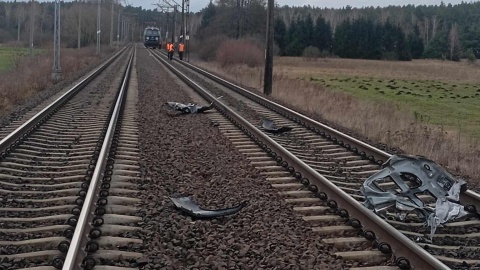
pixel 344 162
pixel 60 193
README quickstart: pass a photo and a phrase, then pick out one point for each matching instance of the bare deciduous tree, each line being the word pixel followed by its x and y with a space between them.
pixel 426 24
pixel 8 15
pixel 453 40
pixel 435 23
pixel 21 16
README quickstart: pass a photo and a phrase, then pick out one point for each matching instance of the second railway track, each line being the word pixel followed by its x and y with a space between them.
pixel 344 162
pixel 67 178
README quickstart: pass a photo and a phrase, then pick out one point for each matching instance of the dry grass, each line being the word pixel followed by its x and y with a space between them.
pixel 382 122
pixel 30 76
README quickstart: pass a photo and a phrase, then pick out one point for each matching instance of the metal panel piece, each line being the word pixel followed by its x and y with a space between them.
pixel 413 176
pixel 186 205
pixel 269 126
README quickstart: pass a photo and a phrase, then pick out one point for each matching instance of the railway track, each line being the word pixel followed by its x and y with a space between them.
pixel 319 171
pixel 67 177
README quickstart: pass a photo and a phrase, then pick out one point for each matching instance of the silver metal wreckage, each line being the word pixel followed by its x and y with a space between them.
pixel 190 107
pixel 413 176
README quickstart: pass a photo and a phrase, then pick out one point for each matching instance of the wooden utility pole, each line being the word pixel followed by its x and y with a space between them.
pixel 267 80
pixel 56 71
pixel 111 23
pixel 118 26
pixel 32 25
pixel 99 12
pixel 79 33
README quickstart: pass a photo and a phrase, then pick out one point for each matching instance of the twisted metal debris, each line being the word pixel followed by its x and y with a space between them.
pixel 413 176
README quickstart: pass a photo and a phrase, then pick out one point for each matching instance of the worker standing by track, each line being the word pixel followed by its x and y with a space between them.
pixel 181 49
pixel 170 50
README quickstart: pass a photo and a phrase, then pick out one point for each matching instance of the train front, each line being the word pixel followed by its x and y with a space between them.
pixel 151 37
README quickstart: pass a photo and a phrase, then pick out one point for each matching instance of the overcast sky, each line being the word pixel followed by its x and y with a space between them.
pixel 196 5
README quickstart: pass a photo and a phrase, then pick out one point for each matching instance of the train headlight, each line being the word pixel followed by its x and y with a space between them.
pixel 146 38
pixel 156 38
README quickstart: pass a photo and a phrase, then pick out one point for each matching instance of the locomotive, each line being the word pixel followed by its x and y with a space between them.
pixel 151 37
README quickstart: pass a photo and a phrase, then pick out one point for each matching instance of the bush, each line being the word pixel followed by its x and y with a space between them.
pixel 471 56
pixel 5 36
pixel 207 49
pixel 240 51
pixel 311 53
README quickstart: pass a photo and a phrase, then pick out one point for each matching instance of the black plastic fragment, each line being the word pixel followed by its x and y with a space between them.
pixel 269 126
pixel 189 207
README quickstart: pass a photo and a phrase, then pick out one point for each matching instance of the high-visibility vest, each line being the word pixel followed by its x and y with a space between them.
pixel 181 47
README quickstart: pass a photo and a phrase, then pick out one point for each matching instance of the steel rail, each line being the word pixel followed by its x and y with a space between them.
pixel 75 254
pixel 365 150
pixel 15 136
pixel 401 246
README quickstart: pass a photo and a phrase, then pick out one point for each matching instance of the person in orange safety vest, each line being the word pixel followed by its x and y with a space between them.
pixel 181 49
pixel 170 50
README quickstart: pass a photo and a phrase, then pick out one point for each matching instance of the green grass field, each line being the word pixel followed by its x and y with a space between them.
pixel 448 104
pixel 8 56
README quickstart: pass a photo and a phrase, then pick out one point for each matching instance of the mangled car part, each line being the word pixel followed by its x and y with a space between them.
pixel 269 126
pixel 186 205
pixel 413 176
pixel 190 107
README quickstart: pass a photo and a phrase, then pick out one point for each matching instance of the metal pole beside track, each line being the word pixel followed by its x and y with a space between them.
pixel 98 26
pixel 56 72
pixel 267 86
pixel 118 27
pixel 79 33
pixel 32 25
pixel 111 24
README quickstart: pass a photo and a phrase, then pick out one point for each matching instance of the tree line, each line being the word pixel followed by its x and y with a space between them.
pixel 395 32
pixel 360 38
pixel 76 16
pixel 233 19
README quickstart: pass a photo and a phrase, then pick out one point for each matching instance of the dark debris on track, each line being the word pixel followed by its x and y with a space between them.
pixel 185 155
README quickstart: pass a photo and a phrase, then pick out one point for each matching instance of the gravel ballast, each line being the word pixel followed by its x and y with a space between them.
pixel 185 155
